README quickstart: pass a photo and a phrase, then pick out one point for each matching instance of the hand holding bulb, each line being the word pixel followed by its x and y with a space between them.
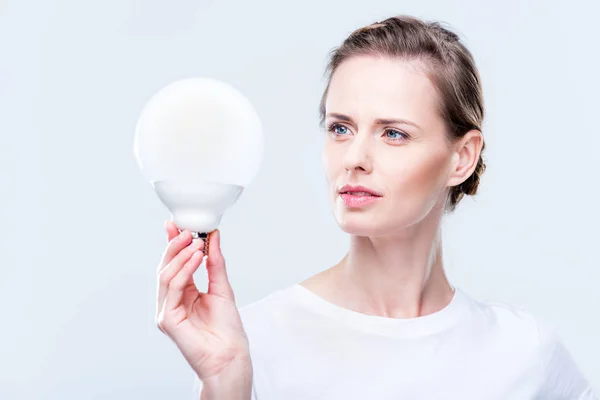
pixel 206 327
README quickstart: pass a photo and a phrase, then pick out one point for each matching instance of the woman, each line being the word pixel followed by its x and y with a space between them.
pixel 403 110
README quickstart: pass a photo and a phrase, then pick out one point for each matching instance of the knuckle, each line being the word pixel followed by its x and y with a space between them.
pixel 162 322
pixel 163 276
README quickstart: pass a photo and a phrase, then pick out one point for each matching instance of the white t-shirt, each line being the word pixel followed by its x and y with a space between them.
pixel 306 348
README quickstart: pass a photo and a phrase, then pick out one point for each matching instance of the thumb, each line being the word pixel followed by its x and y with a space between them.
pixel 218 281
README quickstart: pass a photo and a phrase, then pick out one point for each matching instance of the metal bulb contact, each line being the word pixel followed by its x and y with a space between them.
pixel 204 237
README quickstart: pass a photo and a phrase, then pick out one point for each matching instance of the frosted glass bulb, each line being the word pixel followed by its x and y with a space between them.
pixel 198 141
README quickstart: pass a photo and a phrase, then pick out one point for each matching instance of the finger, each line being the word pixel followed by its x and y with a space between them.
pixel 174 247
pixel 181 280
pixel 172 230
pixel 172 268
pixel 218 281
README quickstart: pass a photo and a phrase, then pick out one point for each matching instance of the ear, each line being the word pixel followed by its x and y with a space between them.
pixel 465 156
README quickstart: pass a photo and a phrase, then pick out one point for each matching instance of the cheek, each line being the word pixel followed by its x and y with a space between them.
pixel 420 178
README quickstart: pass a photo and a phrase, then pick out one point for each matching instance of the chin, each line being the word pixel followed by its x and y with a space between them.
pixel 359 229
pixel 360 223
pixel 375 221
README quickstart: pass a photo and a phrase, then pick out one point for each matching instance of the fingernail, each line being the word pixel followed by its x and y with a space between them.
pixel 196 243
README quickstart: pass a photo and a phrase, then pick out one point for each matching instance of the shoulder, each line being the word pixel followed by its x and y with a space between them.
pixel 513 320
pixel 532 337
pixel 510 321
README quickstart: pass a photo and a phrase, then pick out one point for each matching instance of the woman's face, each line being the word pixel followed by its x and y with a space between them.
pixel 406 162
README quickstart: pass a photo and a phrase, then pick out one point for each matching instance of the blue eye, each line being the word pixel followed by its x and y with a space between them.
pixel 397 135
pixel 333 128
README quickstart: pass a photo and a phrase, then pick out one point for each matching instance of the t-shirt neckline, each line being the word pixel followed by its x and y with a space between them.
pixel 387 326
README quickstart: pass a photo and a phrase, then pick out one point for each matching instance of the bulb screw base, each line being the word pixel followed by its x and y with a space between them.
pixel 204 237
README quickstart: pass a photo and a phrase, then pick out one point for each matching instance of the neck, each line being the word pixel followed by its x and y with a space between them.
pixel 398 276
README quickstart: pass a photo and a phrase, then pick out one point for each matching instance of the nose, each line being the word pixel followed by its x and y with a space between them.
pixel 358 155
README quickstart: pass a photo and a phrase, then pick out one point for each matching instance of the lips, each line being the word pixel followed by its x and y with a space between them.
pixel 358 191
pixel 358 196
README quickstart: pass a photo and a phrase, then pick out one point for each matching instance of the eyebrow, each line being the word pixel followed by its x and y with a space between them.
pixel 378 121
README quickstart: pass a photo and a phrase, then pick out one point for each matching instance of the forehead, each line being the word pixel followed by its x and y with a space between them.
pixel 368 87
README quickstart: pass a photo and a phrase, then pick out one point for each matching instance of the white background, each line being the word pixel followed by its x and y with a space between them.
pixel 82 232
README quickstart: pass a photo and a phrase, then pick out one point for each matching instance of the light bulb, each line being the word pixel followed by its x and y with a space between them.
pixel 198 141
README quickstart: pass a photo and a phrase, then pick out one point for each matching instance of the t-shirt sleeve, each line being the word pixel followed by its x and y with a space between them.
pixel 198 388
pixel 562 378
